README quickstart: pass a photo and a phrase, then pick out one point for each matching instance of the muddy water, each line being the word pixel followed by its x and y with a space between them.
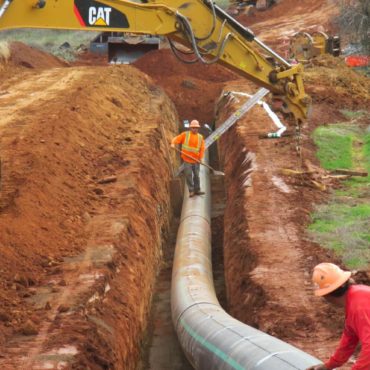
pixel 162 350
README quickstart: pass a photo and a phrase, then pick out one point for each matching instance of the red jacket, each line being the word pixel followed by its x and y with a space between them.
pixel 356 329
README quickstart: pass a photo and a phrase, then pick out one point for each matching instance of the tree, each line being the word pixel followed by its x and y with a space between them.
pixel 354 22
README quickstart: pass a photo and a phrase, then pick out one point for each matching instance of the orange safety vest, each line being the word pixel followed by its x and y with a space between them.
pixel 192 146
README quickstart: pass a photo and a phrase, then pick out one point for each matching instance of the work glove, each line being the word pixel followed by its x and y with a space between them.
pixel 317 367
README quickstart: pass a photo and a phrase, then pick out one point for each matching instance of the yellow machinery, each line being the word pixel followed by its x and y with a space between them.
pixel 259 4
pixel 305 46
pixel 210 34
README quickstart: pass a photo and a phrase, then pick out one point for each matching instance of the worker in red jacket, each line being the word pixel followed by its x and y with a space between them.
pixel 335 286
pixel 192 152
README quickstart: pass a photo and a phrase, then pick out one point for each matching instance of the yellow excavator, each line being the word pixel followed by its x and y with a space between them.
pixel 305 46
pixel 209 34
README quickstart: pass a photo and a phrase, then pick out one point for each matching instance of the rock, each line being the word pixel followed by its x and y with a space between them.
pixel 65 45
pixel 29 328
pixel 116 102
pixel 86 217
pixel 188 84
pixel 62 283
pixel 4 316
pixel 98 191
pixel 107 179
pixel 21 280
pixel 31 281
pixel 63 308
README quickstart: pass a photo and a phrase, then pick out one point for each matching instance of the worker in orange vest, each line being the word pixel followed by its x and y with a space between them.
pixel 192 152
pixel 337 288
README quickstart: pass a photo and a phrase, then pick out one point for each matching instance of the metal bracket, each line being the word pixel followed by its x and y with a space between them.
pixel 4 7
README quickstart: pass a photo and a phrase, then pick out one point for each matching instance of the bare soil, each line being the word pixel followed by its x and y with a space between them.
pixel 84 204
pixel 84 211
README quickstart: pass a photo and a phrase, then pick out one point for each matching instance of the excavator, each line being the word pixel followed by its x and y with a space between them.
pixel 305 46
pixel 209 35
pixel 259 4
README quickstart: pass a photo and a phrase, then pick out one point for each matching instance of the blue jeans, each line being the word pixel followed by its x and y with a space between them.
pixel 191 171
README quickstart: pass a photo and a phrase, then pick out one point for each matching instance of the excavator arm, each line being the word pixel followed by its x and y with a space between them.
pixel 209 33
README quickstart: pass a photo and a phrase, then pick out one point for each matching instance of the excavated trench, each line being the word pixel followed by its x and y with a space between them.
pixel 161 349
pixel 88 232
pixel 85 197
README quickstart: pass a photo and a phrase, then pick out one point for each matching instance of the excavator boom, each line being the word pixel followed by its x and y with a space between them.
pixel 210 33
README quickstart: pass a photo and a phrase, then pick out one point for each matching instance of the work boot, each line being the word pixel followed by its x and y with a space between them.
pixel 191 194
pixel 198 192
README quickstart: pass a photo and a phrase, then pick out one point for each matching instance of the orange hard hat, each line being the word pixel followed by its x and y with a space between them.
pixel 328 277
pixel 194 123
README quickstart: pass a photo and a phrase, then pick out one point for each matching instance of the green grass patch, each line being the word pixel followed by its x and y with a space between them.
pixel 354 115
pixel 51 40
pixel 367 149
pixel 335 147
pixel 343 225
pixel 224 4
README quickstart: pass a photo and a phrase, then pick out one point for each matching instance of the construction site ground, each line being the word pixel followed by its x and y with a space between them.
pixel 85 213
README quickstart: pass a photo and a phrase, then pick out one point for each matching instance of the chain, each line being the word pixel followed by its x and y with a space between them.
pixel 298 138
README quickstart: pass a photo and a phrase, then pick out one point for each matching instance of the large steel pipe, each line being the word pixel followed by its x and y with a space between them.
pixel 210 338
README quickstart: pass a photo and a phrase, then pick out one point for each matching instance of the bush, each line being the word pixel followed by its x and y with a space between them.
pixel 354 22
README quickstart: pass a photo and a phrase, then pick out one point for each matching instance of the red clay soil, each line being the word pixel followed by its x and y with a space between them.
pixel 29 57
pixel 268 256
pixel 266 246
pixel 90 59
pixel 287 17
pixel 84 210
pixel 84 205
pixel 193 88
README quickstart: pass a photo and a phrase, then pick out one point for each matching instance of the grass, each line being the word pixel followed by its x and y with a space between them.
pixel 343 225
pixel 51 40
pixel 224 4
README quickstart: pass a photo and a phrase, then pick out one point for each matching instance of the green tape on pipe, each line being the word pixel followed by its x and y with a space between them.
pixel 222 355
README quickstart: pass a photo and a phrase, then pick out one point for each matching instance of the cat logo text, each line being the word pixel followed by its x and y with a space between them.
pixel 99 16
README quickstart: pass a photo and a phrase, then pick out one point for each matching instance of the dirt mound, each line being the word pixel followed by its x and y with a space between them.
pixel 30 57
pixel 90 59
pixel 287 17
pixel 83 203
pixel 163 63
pixel 190 86
pixel 329 79
pixel 286 8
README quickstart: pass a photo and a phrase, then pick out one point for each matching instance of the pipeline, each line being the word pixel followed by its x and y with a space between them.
pixel 210 338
